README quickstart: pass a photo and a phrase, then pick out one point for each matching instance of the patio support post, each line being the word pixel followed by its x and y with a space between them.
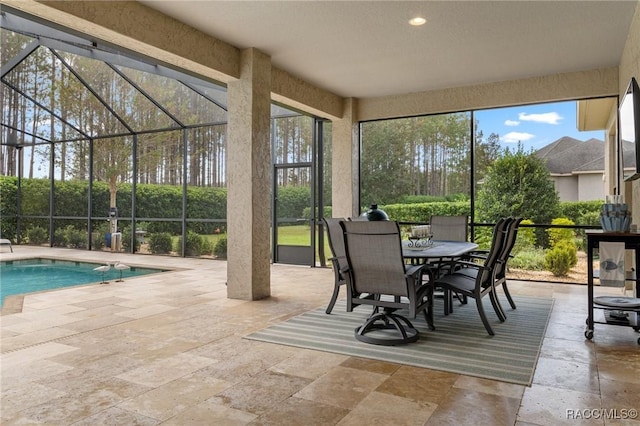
pixel 249 174
pixel 345 173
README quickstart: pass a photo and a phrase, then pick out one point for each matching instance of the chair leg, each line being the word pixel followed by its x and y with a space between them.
pixel 483 317
pixel 462 298
pixel 334 298
pixel 387 321
pixel 506 293
pixel 446 297
pixel 497 307
pixel 428 312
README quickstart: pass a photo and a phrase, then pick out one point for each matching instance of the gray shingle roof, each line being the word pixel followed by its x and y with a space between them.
pixel 568 155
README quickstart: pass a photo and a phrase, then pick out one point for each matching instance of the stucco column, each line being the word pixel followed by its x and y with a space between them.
pixel 345 161
pixel 249 173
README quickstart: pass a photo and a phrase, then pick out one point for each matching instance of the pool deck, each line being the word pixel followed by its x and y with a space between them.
pixel 168 349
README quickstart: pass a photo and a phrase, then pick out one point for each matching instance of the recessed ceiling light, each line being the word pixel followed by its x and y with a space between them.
pixel 417 21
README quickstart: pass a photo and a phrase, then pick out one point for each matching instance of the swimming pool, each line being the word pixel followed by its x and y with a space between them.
pixel 30 275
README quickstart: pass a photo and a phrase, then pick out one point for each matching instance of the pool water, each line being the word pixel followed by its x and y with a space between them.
pixel 30 275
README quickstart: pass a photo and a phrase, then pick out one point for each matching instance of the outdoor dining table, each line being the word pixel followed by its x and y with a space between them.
pixel 435 251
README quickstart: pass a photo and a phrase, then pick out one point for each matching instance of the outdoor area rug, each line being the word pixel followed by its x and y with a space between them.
pixel 460 343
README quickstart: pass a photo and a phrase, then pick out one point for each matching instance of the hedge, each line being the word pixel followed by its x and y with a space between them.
pixel 165 202
pixel 152 201
pixel 422 212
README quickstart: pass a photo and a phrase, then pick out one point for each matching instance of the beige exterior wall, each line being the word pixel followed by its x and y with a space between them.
pixel 630 67
pixel 566 187
pixel 345 162
pixel 591 186
pixel 557 87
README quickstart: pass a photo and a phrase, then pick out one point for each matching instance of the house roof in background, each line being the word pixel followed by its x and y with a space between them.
pixel 567 155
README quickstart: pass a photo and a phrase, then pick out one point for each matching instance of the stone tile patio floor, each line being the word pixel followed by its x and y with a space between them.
pixel 168 349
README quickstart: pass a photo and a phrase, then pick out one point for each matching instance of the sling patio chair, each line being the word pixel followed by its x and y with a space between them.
pixel 377 269
pixel 449 228
pixel 6 242
pixel 502 264
pixel 481 283
pixel 339 259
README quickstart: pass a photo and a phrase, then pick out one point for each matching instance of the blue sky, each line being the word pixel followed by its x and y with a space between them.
pixel 533 125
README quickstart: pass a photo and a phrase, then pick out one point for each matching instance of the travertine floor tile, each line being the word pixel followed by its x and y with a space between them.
pixel 169 349
pixel 162 371
pixel 468 407
pixel 308 364
pixel 261 393
pixel 548 406
pixel 561 374
pixel 342 387
pixel 296 411
pixel 174 397
pixel 384 409
pixel 419 384
pixel 117 416
pixel 211 413
pixel 489 386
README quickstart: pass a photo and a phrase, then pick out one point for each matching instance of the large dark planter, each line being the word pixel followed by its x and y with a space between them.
pixel 374 213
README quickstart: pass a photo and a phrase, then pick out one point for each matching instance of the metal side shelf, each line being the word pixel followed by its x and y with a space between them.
pixel 616 310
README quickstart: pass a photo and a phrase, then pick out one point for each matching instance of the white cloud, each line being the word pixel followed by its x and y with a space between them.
pixel 513 137
pixel 511 123
pixel 547 117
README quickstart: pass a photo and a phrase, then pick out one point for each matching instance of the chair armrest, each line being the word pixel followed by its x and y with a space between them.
pixel 336 265
pixel 461 263
pixel 413 269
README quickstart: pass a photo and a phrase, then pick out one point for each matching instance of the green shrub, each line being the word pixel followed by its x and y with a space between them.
pixel 59 238
pixel 207 246
pixel 97 240
pixel 193 246
pixel 591 218
pixel 569 246
pixel 160 243
pixel 558 260
pixel 37 235
pixel 220 249
pixel 422 212
pixel 416 199
pixel 532 259
pixel 578 211
pixel 483 236
pixel 75 238
pixel 126 239
pixel 526 239
pixel 561 234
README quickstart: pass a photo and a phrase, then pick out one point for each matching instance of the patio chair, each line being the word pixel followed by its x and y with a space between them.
pixel 5 242
pixel 339 259
pixel 502 263
pixel 481 283
pixel 376 268
pixel 501 269
pixel 449 228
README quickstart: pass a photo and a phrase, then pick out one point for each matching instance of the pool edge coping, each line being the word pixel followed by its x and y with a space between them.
pixel 17 300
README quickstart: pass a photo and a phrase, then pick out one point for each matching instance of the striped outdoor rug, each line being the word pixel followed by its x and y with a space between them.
pixel 460 343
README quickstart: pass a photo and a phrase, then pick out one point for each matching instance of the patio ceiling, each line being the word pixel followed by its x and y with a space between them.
pixel 367 49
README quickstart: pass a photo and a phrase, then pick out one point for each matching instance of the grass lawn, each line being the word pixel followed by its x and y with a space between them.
pixel 296 235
